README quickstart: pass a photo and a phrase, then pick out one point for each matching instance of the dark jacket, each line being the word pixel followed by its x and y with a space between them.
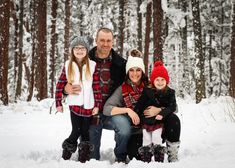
pixel 162 99
pixel 117 69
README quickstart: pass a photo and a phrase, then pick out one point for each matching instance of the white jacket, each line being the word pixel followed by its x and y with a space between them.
pixel 86 96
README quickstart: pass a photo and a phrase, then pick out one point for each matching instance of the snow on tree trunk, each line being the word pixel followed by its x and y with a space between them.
pixel 199 70
pixel 20 56
pixel 53 46
pixel 121 26
pixel 66 29
pixel 232 63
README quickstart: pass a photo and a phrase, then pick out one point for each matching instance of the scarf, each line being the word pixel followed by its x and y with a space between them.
pixel 131 93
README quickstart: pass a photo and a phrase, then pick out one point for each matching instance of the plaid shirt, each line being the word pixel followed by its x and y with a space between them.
pixel 78 110
pixel 102 82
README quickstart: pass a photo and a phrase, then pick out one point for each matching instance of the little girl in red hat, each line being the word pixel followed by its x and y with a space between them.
pixel 160 95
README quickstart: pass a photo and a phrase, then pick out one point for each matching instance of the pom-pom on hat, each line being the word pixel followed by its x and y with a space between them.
pixel 79 40
pixel 159 71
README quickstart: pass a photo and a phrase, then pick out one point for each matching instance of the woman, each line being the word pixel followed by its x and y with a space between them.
pixel 123 100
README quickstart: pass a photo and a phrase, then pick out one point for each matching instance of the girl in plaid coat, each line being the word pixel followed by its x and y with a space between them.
pixel 78 71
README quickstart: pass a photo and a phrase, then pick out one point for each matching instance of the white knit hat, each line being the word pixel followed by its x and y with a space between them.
pixel 135 62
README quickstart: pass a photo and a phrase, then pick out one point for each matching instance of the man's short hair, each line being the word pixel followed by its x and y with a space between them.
pixel 104 29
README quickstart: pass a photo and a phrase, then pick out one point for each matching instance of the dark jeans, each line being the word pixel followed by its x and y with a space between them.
pixel 80 127
pixel 121 125
pixel 172 127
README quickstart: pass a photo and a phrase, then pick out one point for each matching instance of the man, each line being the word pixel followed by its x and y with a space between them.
pixel 109 74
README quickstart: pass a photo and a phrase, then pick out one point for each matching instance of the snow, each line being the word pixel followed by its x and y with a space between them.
pixel 31 137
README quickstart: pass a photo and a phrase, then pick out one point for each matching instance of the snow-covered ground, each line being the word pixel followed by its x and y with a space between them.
pixel 31 137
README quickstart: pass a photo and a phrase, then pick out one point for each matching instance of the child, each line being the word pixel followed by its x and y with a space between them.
pixel 78 70
pixel 161 96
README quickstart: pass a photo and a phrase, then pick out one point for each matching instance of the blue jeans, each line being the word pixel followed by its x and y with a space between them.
pixel 121 124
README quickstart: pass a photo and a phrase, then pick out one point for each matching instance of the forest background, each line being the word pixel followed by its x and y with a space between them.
pixel 194 38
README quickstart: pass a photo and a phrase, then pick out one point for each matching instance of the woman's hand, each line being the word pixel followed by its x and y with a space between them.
pixel 134 117
pixel 151 111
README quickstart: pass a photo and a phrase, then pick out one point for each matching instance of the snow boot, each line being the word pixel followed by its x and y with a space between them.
pixel 145 153
pixel 172 150
pixel 84 151
pixel 68 149
pixel 159 152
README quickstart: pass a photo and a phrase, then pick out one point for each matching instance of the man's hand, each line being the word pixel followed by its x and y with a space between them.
pixel 151 111
pixel 72 89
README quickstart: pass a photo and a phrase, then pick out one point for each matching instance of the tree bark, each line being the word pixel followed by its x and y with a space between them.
pixel 41 50
pixel 200 59
pixel 15 8
pixel 232 63
pixel 139 28
pixel 157 29
pixel 33 21
pixel 121 26
pixel 53 45
pixel 4 42
pixel 185 59
pixel 20 56
pixel 147 36
pixel 66 29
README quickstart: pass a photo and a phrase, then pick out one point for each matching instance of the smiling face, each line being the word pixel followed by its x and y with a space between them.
pixel 104 42
pixel 135 75
pixel 159 83
pixel 79 52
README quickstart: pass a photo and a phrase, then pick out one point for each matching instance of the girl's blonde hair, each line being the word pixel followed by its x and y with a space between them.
pixel 71 72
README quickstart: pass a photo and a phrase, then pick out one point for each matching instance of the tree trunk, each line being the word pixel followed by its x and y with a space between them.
pixel 139 28
pixel 66 29
pixel 41 50
pixel 33 21
pixel 15 8
pixel 121 26
pixel 211 55
pixel 147 36
pixel 4 42
pixel 20 58
pixel 185 59
pixel 53 45
pixel 232 63
pixel 157 29
pixel 200 59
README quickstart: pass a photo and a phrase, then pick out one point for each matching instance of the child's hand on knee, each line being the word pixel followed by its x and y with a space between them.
pixel 59 109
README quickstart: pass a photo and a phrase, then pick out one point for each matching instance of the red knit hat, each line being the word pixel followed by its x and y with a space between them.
pixel 159 71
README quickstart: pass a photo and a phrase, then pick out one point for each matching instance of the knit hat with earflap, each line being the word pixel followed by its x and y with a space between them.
pixel 159 71
pixel 79 40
